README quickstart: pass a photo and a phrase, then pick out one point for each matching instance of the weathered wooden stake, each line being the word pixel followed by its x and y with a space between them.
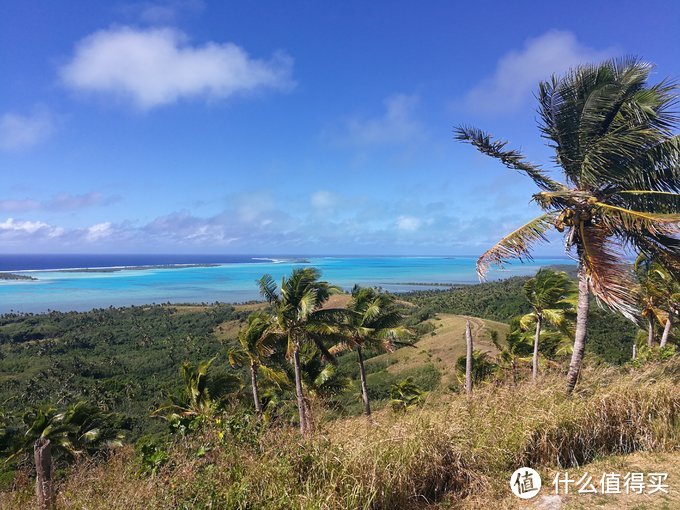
pixel 44 468
pixel 468 359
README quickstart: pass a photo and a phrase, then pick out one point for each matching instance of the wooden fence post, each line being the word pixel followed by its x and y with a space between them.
pixel 468 359
pixel 44 469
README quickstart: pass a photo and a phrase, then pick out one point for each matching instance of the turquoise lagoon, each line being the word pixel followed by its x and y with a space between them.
pixel 67 290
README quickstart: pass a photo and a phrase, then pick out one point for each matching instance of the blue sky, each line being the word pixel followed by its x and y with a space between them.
pixel 285 127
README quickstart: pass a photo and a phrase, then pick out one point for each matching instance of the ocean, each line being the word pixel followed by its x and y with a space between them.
pixel 84 282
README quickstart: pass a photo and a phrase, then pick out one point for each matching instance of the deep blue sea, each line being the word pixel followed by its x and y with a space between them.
pixel 62 285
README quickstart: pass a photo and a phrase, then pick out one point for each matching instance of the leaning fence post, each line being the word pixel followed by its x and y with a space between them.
pixel 44 469
pixel 468 359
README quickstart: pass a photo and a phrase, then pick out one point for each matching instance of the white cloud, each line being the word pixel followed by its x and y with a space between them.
pixel 518 73
pixel 155 67
pixel 99 231
pixel 23 131
pixel 408 223
pixel 397 125
pixel 14 227
pixel 323 200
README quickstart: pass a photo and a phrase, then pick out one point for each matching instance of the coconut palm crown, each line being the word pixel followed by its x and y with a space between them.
pixel 552 298
pixel 255 346
pixel 613 137
pixel 300 317
pixel 372 321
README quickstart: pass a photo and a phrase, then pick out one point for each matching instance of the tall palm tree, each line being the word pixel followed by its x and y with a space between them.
pixel 671 292
pixel 301 319
pixel 373 321
pixel 255 345
pixel 659 296
pixel 552 298
pixel 649 296
pixel 614 141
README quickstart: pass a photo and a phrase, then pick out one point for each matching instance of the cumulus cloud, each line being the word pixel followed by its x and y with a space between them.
pixel 364 224
pixel 398 124
pixel 518 72
pixel 99 231
pixel 159 66
pixel 408 223
pixel 19 131
pixel 12 227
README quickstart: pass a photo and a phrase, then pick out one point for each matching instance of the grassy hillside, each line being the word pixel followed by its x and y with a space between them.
pixel 454 452
pixel 610 336
pixel 443 346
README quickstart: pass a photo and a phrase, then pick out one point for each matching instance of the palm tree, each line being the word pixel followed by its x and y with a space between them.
pixel 551 296
pixel 256 344
pixel 300 318
pixel 659 295
pixel 405 394
pixel 671 293
pixel 649 296
pixel 479 367
pixel 200 398
pixel 81 427
pixel 373 321
pixel 613 137
pixel 516 348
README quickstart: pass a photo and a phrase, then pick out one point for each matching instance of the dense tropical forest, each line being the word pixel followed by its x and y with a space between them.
pixel 319 398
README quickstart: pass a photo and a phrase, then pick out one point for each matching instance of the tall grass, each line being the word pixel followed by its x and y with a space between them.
pixel 450 448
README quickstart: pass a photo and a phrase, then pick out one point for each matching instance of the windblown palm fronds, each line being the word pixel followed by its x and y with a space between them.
pixel 300 318
pixel 615 143
pixel 373 321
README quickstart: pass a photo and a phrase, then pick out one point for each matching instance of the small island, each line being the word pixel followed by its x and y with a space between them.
pixel 131 268
pixel 16 277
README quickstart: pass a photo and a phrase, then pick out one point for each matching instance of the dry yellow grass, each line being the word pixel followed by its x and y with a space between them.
pixel 228 330
pixel 444 346
pixel 250 307
pixel 455 452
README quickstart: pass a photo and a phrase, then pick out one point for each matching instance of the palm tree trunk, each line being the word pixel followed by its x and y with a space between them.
pixel 650 330
pixel 468 359
pixel 302 405
pixel 534 361
pixel 364 387
pixel 666 331
pixel 581 329
pixel 256 393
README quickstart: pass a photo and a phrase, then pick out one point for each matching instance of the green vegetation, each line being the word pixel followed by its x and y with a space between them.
pixel 613 136
pixel 610 336
pixel 125 359
pixel 553 300
pixel 372 321
pixel 451 450
pixel 13 276
pixel 73 378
